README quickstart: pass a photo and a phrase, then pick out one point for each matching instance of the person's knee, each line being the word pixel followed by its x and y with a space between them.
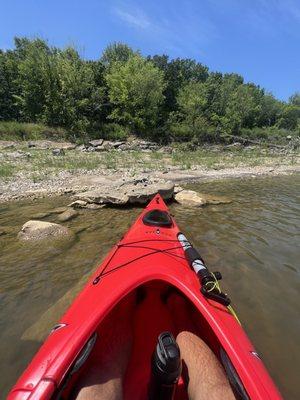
pixel 189 342
pixel 183 337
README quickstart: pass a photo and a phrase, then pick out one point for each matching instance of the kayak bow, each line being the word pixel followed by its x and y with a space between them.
pixel 152 260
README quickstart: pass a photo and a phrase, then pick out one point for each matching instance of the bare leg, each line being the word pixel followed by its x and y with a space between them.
pixel 103 380
pixel 207 379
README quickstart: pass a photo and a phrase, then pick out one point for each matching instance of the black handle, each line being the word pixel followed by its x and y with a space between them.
pixel 220 297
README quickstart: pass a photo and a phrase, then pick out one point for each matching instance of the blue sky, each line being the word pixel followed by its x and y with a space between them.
pixel 260 39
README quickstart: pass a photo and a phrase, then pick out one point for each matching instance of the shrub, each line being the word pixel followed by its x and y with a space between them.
pixel 28 131
pixel 114 131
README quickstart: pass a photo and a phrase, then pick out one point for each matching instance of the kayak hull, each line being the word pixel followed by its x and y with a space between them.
pixel 149 260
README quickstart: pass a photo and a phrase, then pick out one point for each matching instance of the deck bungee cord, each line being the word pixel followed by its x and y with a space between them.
pixel 130 245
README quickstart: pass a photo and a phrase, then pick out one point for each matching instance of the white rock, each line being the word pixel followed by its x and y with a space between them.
pixel 58 152
pixel 177 189
pixel 192 198
pixel 37 230
pixel 189 198
pixel 78 204
pixel 96 143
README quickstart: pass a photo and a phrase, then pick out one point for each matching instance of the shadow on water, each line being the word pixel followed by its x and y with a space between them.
pixel 253 242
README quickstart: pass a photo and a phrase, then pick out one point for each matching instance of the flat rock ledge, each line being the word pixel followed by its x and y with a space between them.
pixel 141 191
pixel 136 191
pixel 38 230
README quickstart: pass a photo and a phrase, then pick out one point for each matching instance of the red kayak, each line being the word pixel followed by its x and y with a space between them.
pixel 150 263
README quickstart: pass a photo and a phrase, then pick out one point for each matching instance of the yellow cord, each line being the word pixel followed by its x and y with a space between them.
pixel 230 308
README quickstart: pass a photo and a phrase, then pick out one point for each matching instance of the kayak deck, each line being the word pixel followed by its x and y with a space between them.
pixel 149 266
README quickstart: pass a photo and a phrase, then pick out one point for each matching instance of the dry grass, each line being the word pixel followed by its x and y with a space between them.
pixel 42 163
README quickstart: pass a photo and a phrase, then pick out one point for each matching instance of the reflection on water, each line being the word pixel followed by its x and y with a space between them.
pixel 253 242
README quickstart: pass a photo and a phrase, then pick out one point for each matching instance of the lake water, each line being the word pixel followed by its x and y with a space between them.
pixel 254 242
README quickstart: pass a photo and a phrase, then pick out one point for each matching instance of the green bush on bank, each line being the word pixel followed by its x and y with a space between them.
pixel 271 134
pixel 11 130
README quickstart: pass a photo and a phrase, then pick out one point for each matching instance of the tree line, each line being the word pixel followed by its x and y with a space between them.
pixel 125 93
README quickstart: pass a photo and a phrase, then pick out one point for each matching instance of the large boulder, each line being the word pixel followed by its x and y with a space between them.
pixel 103 195
pixel 96 143
pixel 38 230
pixel 142 193
pixel 136 191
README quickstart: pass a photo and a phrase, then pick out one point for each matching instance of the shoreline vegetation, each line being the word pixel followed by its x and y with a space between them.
pixel 66 121
pixel 124 93
pixel 43 168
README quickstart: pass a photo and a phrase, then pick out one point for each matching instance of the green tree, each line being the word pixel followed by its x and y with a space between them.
pixel 271 109
pixel 290 117
pixel 244 108
pixel 117 51
pixel 136 93
pixel 295 99
pixel 58 88
pixel 8 87
pixel 178 73
pixel 32 76
pixel 190 121
pixel 72 98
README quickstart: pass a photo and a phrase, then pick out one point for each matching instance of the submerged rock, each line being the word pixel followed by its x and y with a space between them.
pixel 212 199
pixel 67 215
pixel 41 215
pixel 93 206
pixel 38 230
pixel 189 198
pixel 192 198
pixel 58 210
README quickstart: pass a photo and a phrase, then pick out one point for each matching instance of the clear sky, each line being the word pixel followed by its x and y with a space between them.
pixel 260 39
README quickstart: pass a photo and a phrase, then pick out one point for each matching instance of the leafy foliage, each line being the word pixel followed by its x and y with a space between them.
pixel 136 92
pixel 124 93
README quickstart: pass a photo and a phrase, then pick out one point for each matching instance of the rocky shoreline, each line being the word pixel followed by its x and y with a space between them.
pixel 119 185
pixel 74 184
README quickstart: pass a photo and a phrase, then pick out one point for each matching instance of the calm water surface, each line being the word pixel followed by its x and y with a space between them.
pixel 254 242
